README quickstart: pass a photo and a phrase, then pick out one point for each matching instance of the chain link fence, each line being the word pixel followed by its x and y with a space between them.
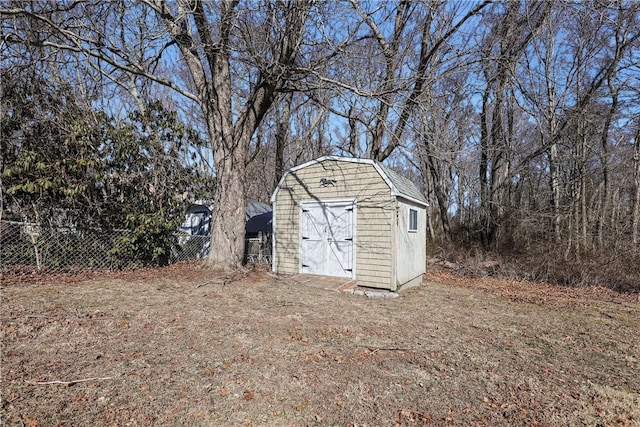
pixel 190 247
pixel 258 249
pixel 33 247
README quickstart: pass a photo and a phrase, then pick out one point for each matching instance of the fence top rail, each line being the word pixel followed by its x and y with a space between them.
pixel 62 227
pixel 4 221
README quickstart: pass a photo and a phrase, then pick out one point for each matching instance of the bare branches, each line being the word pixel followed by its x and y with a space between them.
pixel 275 74
pixel 425 62
pixel 74 40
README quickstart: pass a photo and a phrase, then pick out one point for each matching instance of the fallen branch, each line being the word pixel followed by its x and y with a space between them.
pixel 390 349
pixel 378 348
pixel 68 382
pixel 28 316
pixel 208 282
pixel 225 280
pixel 443 263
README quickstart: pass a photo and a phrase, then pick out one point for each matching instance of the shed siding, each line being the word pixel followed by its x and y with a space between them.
pixel 286 241
pixel 410 245
pixel 374 220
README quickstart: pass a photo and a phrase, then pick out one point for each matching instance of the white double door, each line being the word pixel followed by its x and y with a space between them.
pixel 326 238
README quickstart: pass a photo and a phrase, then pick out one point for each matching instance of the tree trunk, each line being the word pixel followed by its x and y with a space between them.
pixel 353 134
pixel 429 169
pixel 485 218
pixel 636 200
pixel 426 183
pixel 441 196
pixel 229 210
pixel 555 190
pixel 552 126
pixel 282 138
pixel 604 142
pixel 578 192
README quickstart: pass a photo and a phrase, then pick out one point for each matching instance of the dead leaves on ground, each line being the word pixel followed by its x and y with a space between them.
pixel 532 292
pixel 413 418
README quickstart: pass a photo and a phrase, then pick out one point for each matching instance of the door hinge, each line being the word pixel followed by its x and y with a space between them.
pixel 305 265
pixel 348 269
pixel 350 239
pixel 305 238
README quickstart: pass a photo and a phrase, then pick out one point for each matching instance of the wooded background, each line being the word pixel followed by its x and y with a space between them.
pixel 520 119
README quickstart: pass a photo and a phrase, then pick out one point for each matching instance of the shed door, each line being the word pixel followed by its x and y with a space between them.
pixel 326 238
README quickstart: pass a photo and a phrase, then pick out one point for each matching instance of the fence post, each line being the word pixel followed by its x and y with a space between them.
pixel 33 232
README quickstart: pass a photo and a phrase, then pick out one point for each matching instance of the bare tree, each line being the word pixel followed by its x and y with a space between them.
pixel 557 80
pixel 511 34
pixel 440 132
pixel 547 93
pixel 605 37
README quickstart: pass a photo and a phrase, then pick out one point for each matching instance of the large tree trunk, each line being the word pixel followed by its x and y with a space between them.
pixel 426 184
pixel 229 210
pixel 430 168
pixel 433 182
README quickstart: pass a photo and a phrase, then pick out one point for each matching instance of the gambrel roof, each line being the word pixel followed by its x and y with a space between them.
pixel 398 184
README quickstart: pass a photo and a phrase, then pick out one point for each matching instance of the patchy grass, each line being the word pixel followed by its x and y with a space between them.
pixel 183 346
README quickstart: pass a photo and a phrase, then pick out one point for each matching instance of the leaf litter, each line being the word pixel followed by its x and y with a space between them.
pixel 188 346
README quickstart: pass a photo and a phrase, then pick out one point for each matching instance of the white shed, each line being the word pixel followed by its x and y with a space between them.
pixel 352 218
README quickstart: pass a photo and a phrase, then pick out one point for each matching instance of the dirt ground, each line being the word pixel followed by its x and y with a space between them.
pixel 183 346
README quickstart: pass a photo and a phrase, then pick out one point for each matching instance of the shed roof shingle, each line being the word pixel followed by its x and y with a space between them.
pixel 400 186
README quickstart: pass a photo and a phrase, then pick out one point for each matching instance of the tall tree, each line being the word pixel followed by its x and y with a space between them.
pixel 514 27
pixel 214 42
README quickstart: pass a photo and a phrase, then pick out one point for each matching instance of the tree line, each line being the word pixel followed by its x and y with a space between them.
pixel 520 119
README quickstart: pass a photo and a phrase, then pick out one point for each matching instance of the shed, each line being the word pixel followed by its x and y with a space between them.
pixel 352 218
pixel 195 237
pixel 198 219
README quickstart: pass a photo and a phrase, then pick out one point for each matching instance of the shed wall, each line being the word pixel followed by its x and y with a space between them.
pixel 375 216
pixel 411 245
